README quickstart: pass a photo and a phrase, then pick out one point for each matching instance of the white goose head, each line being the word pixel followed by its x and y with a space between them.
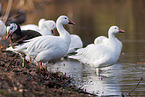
pixel 114 29
pixel 40 23
pixel 64 20
pixel 50 24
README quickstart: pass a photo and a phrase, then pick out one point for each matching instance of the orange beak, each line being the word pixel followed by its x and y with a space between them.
pixel 53 32
pixel 70 22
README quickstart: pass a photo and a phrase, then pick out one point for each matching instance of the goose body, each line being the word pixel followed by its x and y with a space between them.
pixel 104 40
pixel 44 27
pixel 30 27
pixel 47 27
pixel 75 44
pixel 2 28
pixel 46 48
pixel 17 35
pixel 33 26
pixel 103 52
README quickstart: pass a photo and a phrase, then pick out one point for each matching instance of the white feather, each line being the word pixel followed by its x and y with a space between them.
pixel 105 51
pixel 45 48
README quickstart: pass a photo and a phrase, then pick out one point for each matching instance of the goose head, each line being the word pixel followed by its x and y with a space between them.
pixel 13 28
pixel 50 24
pixel 114 29
pixel 64 20
pixel 40 23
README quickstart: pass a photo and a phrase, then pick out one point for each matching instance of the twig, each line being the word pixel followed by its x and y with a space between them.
pixel 135 86
pixel 14 16
pixel 7 11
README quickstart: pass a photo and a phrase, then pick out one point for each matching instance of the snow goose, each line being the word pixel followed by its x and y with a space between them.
pixel 103 53
pixel 17 35
pixel 2 28
pixel 45 27
pixel 104 40
pixel 46 48
pixel 33 26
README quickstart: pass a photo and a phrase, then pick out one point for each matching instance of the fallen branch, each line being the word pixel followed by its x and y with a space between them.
pixel 135 86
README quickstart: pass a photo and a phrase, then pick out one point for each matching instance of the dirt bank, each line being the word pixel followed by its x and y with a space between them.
pixel 31 81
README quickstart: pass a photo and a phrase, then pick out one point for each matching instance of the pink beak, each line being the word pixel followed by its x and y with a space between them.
pixel 70 22
pixel 53 32
pixel 121 31
pixel 7 35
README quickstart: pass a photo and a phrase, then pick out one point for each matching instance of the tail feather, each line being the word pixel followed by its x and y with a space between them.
pixel 73 57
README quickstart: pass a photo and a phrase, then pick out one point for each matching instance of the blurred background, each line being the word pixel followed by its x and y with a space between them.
pixel 93 18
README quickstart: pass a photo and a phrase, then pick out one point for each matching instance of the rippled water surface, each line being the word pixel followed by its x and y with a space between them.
pixel 93 18
pixel 120 78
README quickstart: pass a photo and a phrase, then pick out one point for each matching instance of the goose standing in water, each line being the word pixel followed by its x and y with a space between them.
pixel 46 48
pixel 104 52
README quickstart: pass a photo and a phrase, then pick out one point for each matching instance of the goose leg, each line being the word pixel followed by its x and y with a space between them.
pixel 23 64
pixel 30 60
pixel 41 67
pixel 37 64
pixel 98 71
pixel 45 66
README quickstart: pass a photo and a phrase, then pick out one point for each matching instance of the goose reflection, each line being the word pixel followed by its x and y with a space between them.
pixel 85 76
pixel 106 84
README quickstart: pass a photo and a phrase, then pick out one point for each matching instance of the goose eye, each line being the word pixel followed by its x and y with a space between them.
pixel 65 18
pixel 115 28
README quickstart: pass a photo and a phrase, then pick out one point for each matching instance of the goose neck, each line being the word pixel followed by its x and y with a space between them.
pixel 45 31
pixel 111 36
pixel 63 33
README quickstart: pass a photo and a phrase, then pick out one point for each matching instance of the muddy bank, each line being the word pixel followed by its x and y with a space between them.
pixel 16 81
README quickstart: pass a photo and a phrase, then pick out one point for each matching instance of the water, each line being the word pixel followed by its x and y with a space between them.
pixel 93 18
pixel 120 78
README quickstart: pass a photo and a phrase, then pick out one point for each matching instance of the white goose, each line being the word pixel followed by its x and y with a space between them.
pixel 33 26
pixel 46 48
pixel 104 40
pixel 44 27
pixel 47 27
pixel 2 29
pixel 103 53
